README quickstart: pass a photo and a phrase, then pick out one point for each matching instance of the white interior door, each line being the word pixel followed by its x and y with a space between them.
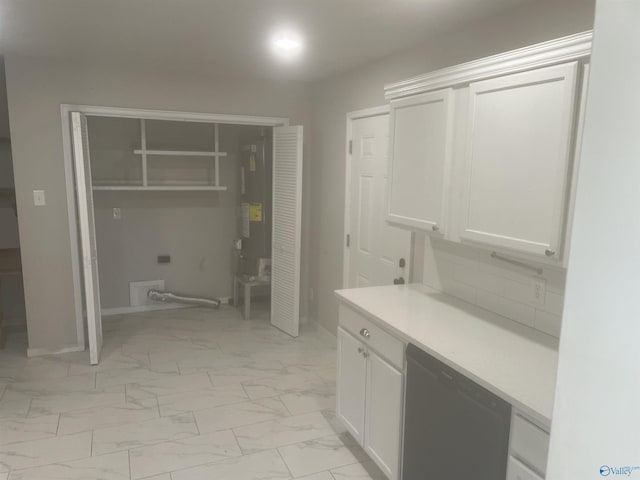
pixel 287 212
pixel 375 247
pixel 87 230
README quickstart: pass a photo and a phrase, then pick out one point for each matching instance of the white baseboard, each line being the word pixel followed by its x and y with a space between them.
pixel 325 329
pixel 38 352
pixel 107 312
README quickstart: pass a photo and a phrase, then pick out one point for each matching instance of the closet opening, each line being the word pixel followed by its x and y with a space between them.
pixel 180 209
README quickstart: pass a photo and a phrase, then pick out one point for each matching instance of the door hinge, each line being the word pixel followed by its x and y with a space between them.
pixel 350 147
pixel 348 239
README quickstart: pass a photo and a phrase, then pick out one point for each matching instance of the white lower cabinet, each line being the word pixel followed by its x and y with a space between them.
pixel 370 401
pixel 351 384
pixel 528 451
pixel 383 420
pixel 517 471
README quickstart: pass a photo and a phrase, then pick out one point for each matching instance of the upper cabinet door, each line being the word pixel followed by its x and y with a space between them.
pixel 420 137
pixel 518 147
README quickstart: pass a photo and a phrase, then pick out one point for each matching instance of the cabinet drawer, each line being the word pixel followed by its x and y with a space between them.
pixel 370 334
pixel 517 471
pixel 529 443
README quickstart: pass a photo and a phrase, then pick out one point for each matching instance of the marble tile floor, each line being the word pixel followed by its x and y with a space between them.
pixel 183 394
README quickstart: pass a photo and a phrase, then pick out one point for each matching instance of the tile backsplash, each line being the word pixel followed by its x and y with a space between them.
pixel 470 274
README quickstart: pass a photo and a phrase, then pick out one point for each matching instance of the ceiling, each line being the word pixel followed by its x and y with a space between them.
pixel 230 37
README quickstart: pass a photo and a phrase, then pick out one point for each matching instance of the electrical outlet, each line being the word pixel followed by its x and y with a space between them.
pixel 117 213
pixel 39 198
pixel 539 290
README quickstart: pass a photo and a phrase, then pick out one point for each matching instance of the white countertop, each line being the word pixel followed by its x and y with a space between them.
pixel 514 361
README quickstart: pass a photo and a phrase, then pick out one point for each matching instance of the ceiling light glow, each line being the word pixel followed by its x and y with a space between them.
pixel 287 45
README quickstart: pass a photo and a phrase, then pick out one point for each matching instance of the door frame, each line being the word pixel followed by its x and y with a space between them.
pixel 346 256
pixel 147 114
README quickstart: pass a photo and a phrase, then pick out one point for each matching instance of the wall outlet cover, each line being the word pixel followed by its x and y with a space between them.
pixel 138 291
pixel 539 290
pixel 39 199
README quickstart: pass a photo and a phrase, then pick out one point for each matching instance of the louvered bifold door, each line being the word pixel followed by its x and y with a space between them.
pixel 287 212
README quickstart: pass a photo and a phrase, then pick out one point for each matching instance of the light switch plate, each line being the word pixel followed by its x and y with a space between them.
pixel 117 213
pixel 38 198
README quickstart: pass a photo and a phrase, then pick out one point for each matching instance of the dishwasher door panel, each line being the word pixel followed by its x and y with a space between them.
pixel 454 429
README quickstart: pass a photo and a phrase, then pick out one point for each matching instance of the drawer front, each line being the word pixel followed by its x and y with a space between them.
pixel 529 443
pixel 517 471
pixel 384 344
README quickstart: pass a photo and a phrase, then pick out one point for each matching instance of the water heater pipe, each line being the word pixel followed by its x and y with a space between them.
pixel 161 296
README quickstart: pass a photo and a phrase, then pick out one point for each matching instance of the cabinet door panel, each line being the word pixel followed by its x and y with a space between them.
pixel 518 471
pixel 351 384
pixel 517 159
pixel 420 158
pixel 384 415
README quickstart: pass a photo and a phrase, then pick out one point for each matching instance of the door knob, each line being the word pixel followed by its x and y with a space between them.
pixel 435 228
pixel 365 333
pixel 549 253
pixel 402 263
pixel 398 281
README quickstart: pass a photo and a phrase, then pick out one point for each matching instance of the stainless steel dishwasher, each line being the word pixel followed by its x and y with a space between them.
pixel 454 429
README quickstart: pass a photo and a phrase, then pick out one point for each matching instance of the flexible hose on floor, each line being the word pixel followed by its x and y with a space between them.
pixel 164 297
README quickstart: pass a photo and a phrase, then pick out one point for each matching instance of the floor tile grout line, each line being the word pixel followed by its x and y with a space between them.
pixel 158 407
pixel 193 416
pixel 296 443
pixel 277 418
pixel 129 457
pixel 58 426
pixel 151 444
pixel 235 437
pixel 26 415
pixel 284 461
pixel 285 406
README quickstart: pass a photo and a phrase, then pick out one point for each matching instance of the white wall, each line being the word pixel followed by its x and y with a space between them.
pixel 36 88
pixel 364 87
pixel 596 415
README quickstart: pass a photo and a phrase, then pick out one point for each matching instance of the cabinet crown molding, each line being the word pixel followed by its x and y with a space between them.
pixel 561 50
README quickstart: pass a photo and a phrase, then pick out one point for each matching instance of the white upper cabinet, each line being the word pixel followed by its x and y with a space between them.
pixel 484 152
pixel 420 138
pixel 517 160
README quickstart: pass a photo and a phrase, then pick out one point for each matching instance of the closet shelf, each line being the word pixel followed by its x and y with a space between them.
pixel 161 188
pixel 180 153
